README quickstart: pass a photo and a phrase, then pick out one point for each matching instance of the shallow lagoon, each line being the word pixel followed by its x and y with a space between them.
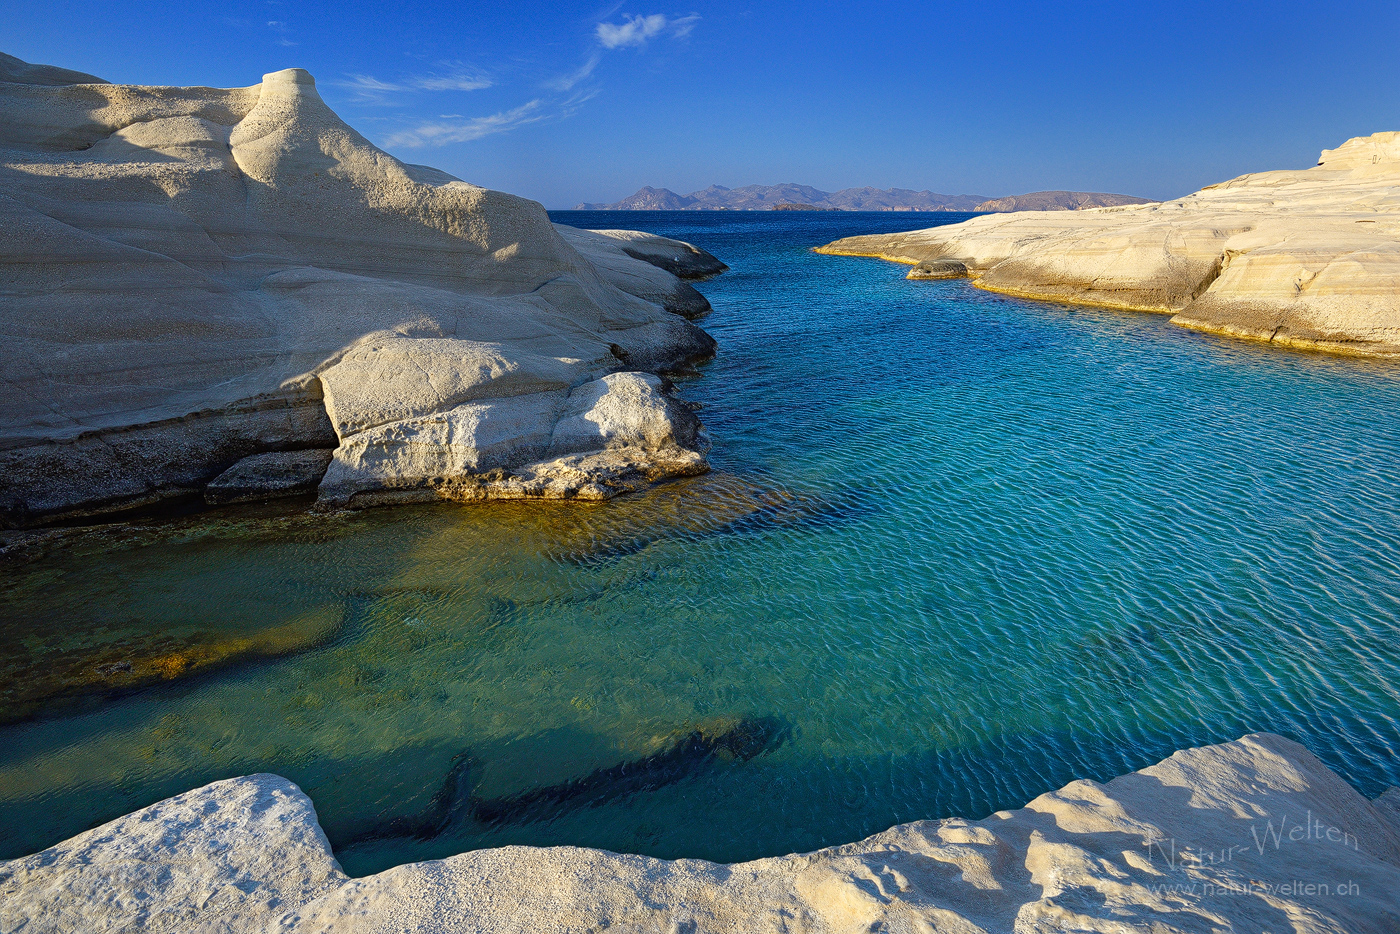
pixel 963 548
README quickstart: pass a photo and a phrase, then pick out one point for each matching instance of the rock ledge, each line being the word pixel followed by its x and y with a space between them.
pixel 1307 259
pixel 1251 835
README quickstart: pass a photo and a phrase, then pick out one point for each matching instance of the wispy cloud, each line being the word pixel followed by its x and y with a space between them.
pixel 632 31
pixel 567 82
pixel 369 89
pixel 368 83
pixel 636 30
pixel 439 134
pixel 570 89
pixel 453 128
pixel 458 82
pixel 280 27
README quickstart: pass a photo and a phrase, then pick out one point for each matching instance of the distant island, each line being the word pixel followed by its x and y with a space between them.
pixel 793 197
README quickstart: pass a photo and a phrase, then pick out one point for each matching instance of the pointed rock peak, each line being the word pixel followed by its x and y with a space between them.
pixel 289 113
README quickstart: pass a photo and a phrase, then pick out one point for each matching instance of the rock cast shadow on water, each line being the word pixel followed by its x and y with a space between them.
pixel 803 802
pixel 99 654
pixel 718 505
pixel 684 756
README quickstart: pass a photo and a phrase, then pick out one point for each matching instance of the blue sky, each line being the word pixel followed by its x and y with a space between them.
pixel 583 102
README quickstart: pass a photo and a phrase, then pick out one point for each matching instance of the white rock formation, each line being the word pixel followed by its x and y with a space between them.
pixel 1307 258
pixel 1253 836
pixel 231 856
pixel 614 253
pixel 193 276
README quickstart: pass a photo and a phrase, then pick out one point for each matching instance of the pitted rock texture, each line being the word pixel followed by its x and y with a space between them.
pixel 231 856
pixel 194 276
pixel 1307 258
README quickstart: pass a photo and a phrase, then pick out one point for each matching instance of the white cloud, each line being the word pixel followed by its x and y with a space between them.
pixel 682 27
pixel 367 83
pixel 456 82
pixel 452 128
pixel 369 89
pixel 438 134
pixel 636 30
pixel 280 27
pixel 567 82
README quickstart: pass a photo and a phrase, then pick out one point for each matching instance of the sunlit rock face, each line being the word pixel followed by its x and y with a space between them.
pixel 194 276
pixel 1307 258
pixel 1251 835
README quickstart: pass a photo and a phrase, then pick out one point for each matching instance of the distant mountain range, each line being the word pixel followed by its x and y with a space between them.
pixel 805 197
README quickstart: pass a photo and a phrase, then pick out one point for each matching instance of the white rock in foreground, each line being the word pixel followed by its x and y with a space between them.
pixel 1254 835
pixel 1306 258
pixel 230 856
pixel 196 276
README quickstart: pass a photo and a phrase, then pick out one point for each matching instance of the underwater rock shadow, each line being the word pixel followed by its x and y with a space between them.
pixel 691 752
pixel 750 510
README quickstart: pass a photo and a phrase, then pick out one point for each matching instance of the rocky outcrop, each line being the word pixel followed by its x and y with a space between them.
pixel 196 278
pixel 229 857
pixel 1252 835
pixel 1307 258
pixel 656 278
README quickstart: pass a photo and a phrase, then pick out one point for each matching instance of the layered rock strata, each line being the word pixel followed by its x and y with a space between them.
pixel 1307 258
pixel 1253 835
pixel 193 277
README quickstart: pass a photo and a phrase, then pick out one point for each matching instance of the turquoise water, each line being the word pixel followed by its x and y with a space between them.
pixel 959 548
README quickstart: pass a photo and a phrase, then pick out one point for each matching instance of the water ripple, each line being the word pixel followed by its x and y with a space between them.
pixel 969 547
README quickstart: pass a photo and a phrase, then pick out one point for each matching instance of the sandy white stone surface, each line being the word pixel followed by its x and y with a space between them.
pixel 1307 258
pixel 194 276
pixel 1254 835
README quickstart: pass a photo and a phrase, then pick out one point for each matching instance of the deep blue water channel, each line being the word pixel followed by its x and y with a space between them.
pixel 961 549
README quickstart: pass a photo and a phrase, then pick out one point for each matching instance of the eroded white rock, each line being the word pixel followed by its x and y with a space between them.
pixel 231 856
pixel 591 441
pixel 196 275
pixel 1306 258
pixel 1254 835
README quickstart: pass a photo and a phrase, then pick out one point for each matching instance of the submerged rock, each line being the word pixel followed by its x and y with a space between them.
pixel 66 659
pixel 1251 835
pixel 199 276
pixel 1308 258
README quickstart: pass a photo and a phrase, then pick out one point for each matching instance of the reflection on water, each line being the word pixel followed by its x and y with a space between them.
pixel 958 549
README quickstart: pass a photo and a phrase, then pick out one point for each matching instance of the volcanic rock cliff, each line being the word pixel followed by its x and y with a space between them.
pixel 231 293
pixel 1307 258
